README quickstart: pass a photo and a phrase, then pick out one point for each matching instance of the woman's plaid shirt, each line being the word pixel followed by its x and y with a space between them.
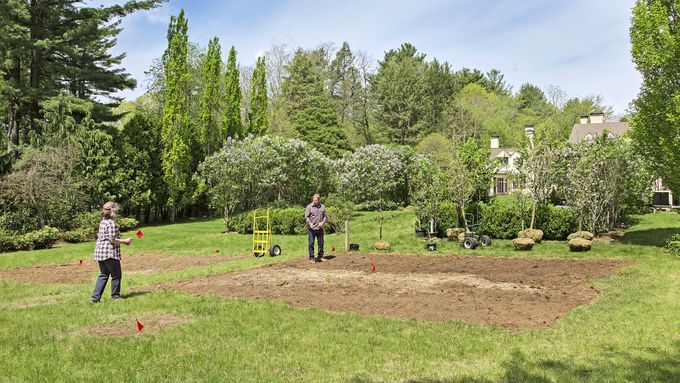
pixel 105 249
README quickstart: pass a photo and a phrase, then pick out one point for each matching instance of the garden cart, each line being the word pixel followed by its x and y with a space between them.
pixel 472 236
pixel 262 236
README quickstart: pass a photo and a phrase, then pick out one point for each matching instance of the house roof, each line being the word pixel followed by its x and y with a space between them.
pixel 580 131
pixel 496 152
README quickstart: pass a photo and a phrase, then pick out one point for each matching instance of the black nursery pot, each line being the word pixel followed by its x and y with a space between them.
pixel 420 233
pixel 353 247
pixel 431 246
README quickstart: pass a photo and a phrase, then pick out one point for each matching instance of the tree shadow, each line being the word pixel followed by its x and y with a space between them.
pixel 651 237
pixel 650 365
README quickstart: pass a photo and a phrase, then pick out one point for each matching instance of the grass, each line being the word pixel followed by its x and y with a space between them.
pixel 631 333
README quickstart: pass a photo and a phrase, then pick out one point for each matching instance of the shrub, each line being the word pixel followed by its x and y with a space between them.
pixel 535 234
pixel 87 220
pixel 448 216
pixel 579 244
pixel 581 234
pixel 20 221
pixel 125 224
pixel 375 205
pixel 673 244
pixel 500 219
pixel 288 221
pixel 556 222
pixel 77 236
pixel 6 241
pixel 523 244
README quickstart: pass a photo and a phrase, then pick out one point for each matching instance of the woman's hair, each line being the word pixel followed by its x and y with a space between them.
pixel 108 210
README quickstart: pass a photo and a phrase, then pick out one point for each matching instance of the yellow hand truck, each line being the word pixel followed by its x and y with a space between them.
pixel 262 236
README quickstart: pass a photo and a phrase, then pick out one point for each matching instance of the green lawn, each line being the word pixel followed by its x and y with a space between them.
pixel 631 333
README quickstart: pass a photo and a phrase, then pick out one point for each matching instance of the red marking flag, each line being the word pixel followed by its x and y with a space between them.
pixel 81 262
pixel 333 248
pixel 373 269
pixel 140 234
pixel 139 325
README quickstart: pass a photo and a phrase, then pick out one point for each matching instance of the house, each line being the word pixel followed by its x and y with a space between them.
pixel 592 125
pixel 509 159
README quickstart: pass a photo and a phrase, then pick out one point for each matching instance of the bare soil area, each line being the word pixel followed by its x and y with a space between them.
pixel 77 273
pixel 513 293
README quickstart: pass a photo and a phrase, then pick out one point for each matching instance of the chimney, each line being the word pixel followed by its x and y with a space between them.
pixel 494 141
pixel 529 131
pixel 584 120
pixel 596 118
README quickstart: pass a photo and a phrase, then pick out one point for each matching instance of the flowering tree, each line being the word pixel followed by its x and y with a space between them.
pixel 369 174
pixel 427 189
pixel 261 170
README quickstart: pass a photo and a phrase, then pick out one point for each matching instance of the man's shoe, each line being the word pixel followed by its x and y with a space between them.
pixel 117 298
pixel 317 259
pixel 311 260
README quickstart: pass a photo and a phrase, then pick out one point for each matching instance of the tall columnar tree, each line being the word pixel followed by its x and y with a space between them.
pixel 210 130
pixel 232 123
pixel 47 47
pixel 655 38
pixel 175 134
pixel 309 107
pixel 258 99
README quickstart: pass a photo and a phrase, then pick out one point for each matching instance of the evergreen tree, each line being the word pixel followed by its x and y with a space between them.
pixel 258 100
pixel 399 88
pixel 175 134
pixel 308 103
pixel 210 131
pixel 233 126
pixel 52 46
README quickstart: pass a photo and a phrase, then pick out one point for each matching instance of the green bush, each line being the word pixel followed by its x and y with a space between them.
pixel 77 236
pixel 673 244
pixel 448 217
pixel 500 219
pixel 288 221
pixel 19 222
pixel 375 205
pixel 87 220
pixel 556 222
pixel 39 239
pixel 125 224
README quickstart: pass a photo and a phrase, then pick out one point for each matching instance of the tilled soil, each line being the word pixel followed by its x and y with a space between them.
pixel 513 293
pixel 77 273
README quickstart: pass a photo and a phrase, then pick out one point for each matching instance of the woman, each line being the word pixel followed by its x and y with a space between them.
pixel 107 254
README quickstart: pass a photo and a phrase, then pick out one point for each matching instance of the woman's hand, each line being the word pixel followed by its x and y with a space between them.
pixel 127 241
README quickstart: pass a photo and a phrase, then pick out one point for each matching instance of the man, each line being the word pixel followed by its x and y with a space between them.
pixel 315 215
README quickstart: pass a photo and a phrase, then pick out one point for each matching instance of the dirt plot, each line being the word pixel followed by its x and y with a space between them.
pixel 152 323
pixel 513 293
pixel 75 273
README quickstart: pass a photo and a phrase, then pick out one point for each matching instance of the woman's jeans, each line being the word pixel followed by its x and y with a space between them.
pixel 108 267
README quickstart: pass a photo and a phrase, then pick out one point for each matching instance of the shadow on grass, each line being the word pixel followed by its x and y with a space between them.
pixel 647 365
pixel 651 237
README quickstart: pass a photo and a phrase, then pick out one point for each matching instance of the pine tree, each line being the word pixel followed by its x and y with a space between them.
pixel 210 131
pixel 231 122
pixel 309 106
pixel 56 46
pixel 258 100
pixel 176 157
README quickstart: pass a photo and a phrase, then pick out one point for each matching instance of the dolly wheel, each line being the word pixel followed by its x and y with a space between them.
pixel 485 240
pixel 470 243
pixel 275 250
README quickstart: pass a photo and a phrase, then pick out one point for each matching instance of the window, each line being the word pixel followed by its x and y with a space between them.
pixel 503 160
pixel 500 187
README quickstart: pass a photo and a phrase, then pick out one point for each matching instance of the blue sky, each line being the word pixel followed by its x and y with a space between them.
pixel 581 46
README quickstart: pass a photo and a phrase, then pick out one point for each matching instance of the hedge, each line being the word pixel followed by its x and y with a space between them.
pixel 501 219
pixel 288 221
pixel 39 239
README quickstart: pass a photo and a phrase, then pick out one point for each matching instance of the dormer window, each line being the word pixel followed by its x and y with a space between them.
pixel 503 160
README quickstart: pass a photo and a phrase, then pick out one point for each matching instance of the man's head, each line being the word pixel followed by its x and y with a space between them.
pixel 315 199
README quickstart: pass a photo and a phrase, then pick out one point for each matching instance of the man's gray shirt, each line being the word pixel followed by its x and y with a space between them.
pixel 315 215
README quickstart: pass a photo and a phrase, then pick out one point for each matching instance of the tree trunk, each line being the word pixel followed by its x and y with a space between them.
pixel 12 127
pixel 36 67
pixel 171 213
pixel 533 215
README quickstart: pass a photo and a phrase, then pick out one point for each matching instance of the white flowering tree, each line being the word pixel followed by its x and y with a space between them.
pixel 427 189
pixel 369 174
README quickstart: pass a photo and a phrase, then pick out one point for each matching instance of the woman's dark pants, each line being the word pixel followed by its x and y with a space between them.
pixel 108 267
pixel 318 234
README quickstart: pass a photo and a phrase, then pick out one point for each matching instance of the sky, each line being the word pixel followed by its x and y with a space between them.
pixel 580 46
